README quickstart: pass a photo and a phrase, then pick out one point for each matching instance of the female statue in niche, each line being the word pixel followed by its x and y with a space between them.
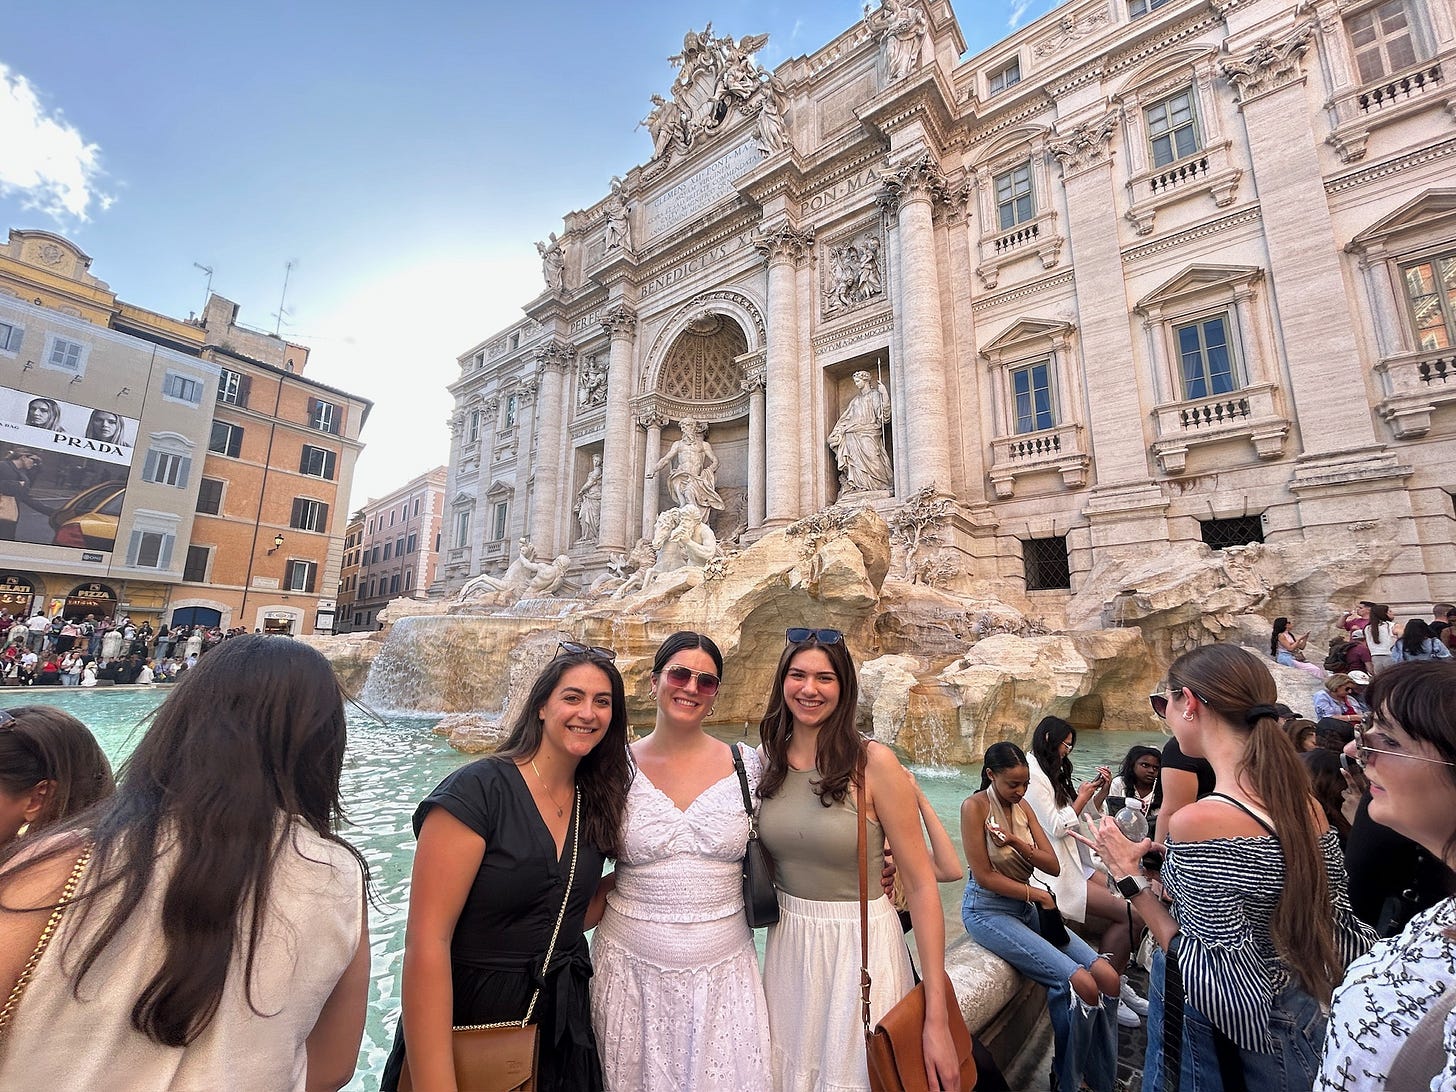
pixel 858 438
pixel 589 502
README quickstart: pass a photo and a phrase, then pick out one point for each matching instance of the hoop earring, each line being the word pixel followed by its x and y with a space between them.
pixel 1188 714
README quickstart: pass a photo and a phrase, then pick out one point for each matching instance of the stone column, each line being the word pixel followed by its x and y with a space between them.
pixel 783 248
pixel 754 385
pixel 653 423
pixel 553 360
pixel 921 416
pixel 620 324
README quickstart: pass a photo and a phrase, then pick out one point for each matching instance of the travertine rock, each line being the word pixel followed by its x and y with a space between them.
pixel 884 694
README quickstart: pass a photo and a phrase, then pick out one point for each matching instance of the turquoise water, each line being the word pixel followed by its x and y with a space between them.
pixel 389 767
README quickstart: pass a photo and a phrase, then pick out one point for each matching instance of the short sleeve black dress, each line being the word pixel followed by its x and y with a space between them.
pixel 506 923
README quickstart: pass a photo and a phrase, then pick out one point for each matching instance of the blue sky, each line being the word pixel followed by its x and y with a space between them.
pixel 406 157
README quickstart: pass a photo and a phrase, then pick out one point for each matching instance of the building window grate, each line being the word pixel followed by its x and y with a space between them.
pixel 1048 567
pixel 1220 534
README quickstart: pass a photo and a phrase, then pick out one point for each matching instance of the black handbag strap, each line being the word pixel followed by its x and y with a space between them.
pixel 742 782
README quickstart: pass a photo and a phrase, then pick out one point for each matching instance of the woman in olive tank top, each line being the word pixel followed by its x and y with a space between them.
pixel 812 759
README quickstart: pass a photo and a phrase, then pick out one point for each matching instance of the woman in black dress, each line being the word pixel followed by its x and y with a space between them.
pixel 491 869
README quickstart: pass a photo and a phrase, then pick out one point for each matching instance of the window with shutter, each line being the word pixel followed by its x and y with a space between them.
pixel 226 439
pixel 209 496
pixel 317 462
pixel 10 337
pixel 195 569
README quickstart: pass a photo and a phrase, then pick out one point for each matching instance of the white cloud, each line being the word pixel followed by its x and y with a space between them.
pixel 1018 9
pixel 46 159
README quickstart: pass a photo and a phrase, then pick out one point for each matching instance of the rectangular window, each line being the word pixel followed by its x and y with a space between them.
pixel 195 569
pixel 399 546
pixel 166 468
pixel 149 550
pixel 323 416
pixel 411 544
pixel 184 388
pixel 1220 534
pixel 309 515
pixel 371 525
pixel 232 388
pixel 387 546
pixel 1136 9
pixel 226 439
pixel 317 462
pixel 300 576
pixel 10 337
pixel 1206 357
pixel 1430 290
pixel 510 418
pixel 394 584
pixel 1382 39
pixel 417 506
pixel 498 527
pixel 209 496
pixel 1007 77
pixel 472 433
pixel 1014 204
pixel 65 355
pixel 462 528
pixel 1172 128
pixel 1031 392
pixel 408 579
pixel 1047 564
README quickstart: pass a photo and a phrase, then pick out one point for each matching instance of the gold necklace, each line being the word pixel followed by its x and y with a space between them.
pixel 560 811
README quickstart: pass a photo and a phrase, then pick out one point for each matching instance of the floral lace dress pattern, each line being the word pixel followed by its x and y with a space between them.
pixel 677 1002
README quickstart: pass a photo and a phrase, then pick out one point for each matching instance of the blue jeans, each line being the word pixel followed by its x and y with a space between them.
pixel 1085 1035
pixel 1211 1062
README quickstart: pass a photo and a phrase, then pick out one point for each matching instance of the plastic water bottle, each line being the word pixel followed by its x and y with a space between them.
pixel 1132 821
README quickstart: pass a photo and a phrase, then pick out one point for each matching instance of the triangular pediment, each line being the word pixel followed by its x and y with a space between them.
pixel 1026 331
pixel 1198 278
pixel 499 489
pixel 462 498
pixel 1432 211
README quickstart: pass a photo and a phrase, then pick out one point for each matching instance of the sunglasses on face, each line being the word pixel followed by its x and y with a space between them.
pixel 797 635
pixel 596 652
pixel 1159 702
pixel 679 675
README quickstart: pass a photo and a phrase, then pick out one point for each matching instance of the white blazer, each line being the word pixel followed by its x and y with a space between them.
pixel 1070 886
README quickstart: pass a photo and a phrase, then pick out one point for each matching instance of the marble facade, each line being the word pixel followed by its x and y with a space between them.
pixel 1138 269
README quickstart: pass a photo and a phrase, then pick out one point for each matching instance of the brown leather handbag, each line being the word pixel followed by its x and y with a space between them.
pixel 895 1047
pixel 504 1057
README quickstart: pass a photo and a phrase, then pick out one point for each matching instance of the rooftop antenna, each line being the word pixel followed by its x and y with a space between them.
pixel 208 270
pixel 283 311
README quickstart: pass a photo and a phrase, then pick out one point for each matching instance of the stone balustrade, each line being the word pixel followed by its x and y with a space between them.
pixel 1356 113
pixel 1252 412
pixel 1415 384
pixel 1061 449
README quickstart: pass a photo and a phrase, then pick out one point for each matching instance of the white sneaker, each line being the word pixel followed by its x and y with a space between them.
pixel 1127 1018
pixel 1131 1000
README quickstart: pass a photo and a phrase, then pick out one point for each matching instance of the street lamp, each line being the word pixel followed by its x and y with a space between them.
pixel 277 545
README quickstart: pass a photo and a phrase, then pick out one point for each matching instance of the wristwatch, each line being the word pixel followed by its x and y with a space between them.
pixel 1130 887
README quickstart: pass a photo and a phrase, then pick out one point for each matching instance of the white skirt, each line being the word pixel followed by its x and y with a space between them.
pixel 811 980
pixel 679 1005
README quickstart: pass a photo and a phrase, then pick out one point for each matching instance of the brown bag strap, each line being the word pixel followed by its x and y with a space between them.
pixel 864 888
pixel 1424 1054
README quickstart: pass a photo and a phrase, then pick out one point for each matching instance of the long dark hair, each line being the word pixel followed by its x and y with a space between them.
pixel 43 743
pixel 253 733
pixel 1414 637
pixel 1327 781
pixel 1420 696
pixel 682 639
pixel 1379 612
pixel 1129 771
pixel 1280 625
pixel 839 746
pixel 1234 684
pixel 1046 745
pixel 1000 756
pixel 605 774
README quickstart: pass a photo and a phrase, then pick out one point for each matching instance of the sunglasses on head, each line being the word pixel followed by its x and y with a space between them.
pixel 596 652
pixel 679 675
pixel 1159 702
pixel 797 635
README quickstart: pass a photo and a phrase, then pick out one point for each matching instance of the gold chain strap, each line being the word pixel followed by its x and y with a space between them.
pixel 68 893
pixel 555 931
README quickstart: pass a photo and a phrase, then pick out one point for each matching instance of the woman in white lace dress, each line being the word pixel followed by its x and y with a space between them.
pixel 677 1002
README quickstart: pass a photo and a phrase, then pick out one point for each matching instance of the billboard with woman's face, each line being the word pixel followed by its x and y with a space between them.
pixel 63 471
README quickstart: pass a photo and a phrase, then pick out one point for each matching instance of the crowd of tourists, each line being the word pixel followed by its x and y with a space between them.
pixel 91 651
pixel 202 917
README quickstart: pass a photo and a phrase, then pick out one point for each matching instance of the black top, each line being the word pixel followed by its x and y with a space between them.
pixel 1175 759
pixel 505 924
pixel 1383 864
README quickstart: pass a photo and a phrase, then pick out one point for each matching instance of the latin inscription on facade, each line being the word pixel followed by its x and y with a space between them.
pixel 700 189
pixel 686 269
pixel 845 187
